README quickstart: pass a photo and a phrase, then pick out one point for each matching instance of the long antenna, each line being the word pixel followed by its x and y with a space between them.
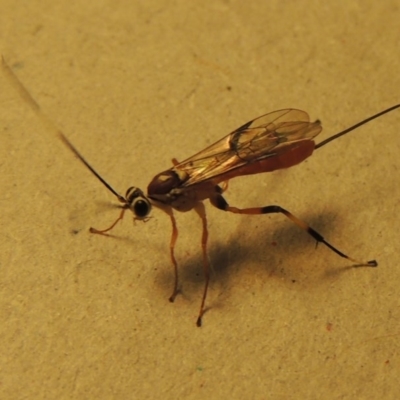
pixel 94 172
pixel 27 98
pixel 324 142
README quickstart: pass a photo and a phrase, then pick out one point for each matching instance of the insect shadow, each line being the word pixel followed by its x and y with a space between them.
pixel 283 253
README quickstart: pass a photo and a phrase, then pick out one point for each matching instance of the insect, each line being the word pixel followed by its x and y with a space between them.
pixel 280 139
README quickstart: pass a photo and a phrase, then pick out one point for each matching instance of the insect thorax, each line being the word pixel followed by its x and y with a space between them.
pixel 168 188
pixel 164 182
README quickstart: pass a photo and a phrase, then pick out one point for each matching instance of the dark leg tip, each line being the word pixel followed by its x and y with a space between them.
pixel 173 295
pixel 198 322
pixel 373 263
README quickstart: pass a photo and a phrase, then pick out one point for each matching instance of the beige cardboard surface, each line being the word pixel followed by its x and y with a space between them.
pixel 133 84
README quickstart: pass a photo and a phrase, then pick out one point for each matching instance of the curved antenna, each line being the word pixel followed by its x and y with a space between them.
pixel 324 142
pixel 28 99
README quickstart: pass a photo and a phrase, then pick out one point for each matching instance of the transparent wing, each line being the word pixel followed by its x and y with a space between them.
pixel 260 138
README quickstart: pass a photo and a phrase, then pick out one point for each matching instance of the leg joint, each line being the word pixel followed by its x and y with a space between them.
pixel 272 210
pixel 219 202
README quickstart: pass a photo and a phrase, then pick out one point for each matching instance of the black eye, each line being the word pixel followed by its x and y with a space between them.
pixel 141 208
pixel 138 203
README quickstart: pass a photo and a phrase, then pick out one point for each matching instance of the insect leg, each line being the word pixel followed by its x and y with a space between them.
pixel 103 231
pixel 224 186
pixel 218 201
pixel 174 237
pixel 201 211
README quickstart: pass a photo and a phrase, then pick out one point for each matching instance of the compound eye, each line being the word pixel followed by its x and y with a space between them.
pixel 141 207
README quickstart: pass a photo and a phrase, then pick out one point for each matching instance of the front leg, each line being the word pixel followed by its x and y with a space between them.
pixel 201 211
pixel 174 237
